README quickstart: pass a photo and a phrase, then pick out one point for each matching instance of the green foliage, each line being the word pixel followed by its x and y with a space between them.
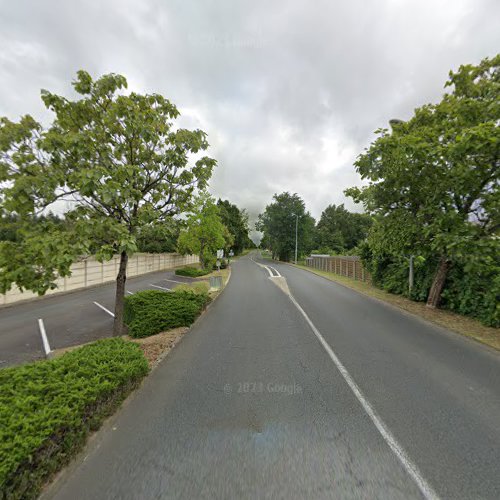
pixel 278 223
pixel 236 221
pixel 433 186
pixel 117 157
pixel 339 230
pixel 159 237
pixel 205 232
pixel 152 311
pixel 48 408
pixel 192 272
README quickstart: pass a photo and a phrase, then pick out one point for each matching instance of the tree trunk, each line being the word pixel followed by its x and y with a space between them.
pixel 438 283
pixel 121 278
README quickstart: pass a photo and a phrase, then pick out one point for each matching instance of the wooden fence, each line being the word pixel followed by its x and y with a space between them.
pixel 349 266
pixel 90 272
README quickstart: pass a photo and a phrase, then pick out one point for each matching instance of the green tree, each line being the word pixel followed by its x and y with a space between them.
pixel 433 181
pixel 159 237
pixel 236 221
pixel 278 223
pixel 205 233
pixel 118 161
pixel 339 230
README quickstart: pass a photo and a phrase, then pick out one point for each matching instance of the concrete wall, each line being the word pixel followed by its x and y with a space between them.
pixel 349 266
pixel 90 272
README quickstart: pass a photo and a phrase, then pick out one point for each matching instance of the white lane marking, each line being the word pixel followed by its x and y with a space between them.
pixel 278 275
pixel 104 309
pixel 130 293
pixel 45 340
pixel 174 281
pixel 425 488
pixel 160 287
pixel 268 269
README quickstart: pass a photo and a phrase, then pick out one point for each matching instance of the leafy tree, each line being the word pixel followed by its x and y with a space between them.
pixel 434 180
pixel 118 161
pixel 339 230
pixel 278 223
pixel 205 232
pixel 159 237
pixel 236 221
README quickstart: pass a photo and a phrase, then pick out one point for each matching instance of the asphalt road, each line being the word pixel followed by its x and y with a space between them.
pixel 69 319
pixel 251 404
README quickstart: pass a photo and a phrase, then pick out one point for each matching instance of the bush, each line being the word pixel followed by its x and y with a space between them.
pixel 152 311
pixel 198 287
pixel 471 290
pixel 48 408
pixel 192 272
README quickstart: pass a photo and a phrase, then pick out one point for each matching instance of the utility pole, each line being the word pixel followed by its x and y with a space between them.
pixel 296 236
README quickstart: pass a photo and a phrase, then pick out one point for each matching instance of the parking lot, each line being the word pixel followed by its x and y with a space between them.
pixel 68 319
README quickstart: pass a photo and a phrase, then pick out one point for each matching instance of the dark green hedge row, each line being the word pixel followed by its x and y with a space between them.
pixel 192 272
pixel 48 408
pixel 152 311
pixel 472 291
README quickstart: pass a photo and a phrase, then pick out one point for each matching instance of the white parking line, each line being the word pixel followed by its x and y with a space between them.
pixel 161 287
pixel 45 340
pixel 104 309
pixel 425 488
pixel 130 293
pixel 174 281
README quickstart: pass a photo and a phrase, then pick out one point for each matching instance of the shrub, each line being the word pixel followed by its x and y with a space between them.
pixel 47 409
pixel 152 311
pixel 192 272
pixel 198 287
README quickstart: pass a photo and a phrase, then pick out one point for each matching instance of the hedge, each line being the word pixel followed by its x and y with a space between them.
pixel 472 290
pixel 192 272
pixel 152 311
pixel 48 408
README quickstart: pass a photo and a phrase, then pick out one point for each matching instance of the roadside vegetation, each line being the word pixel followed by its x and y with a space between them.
pixel 48 408
pixel 192 272
pixel 431 196
pixel 153 311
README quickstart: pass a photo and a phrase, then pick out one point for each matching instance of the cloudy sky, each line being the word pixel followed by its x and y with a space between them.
pixel 289 92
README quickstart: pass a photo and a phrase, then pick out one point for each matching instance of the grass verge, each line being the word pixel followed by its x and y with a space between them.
pixel 48 408
pixel 455 322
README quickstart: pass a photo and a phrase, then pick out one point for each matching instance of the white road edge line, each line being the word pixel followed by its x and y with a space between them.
pixel 45 340
pixel 161 287
pixel 424 487
pixel 104 309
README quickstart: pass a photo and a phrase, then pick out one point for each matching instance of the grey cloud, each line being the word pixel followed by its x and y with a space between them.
pixel 289 92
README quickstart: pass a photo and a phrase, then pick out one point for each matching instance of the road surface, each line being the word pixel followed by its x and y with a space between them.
pixel 252 404
pixel 68 319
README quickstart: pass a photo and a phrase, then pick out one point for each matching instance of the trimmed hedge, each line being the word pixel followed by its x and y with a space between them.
pixel 48 408
pixel 152 311
pixel 192 272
